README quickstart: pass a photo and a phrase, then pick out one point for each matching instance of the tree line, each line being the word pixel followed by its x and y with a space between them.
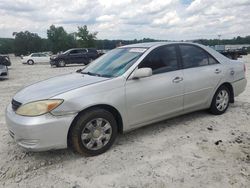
pixel 58 39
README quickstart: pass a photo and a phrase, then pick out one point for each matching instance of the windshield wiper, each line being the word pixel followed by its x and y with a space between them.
pixel 91 73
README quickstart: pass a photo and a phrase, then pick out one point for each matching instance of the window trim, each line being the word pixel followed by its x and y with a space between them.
pixel 206 52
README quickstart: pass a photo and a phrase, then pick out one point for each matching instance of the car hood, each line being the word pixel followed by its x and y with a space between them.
pixel 55 86
pixel 57 56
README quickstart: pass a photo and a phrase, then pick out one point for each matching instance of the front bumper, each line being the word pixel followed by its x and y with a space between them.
pixel 53 62
pixel 4 75
pixel 41 133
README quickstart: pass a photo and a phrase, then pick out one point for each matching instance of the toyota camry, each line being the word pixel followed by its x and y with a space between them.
pixel 128 87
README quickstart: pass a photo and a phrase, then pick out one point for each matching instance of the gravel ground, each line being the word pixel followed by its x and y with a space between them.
pixel 194 150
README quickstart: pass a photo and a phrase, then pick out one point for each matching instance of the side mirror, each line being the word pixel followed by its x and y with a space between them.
pixel 142 72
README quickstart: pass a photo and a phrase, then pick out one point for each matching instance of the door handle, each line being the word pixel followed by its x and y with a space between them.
pixel 217 71
pixel 177 79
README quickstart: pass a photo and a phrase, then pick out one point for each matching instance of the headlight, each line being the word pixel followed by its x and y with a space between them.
pixel 38 108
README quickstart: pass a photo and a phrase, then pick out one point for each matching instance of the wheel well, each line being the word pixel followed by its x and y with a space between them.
pixel 230 87
pixel 109 108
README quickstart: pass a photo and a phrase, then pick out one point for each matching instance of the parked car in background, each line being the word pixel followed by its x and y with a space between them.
pixel 74 56
pixel 126 88
pixel 4 63
pixel 35 58
pixel 232 51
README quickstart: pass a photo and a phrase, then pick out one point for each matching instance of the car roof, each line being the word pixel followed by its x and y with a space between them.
pixel 77 49
pixel 217 55
pixel 153 44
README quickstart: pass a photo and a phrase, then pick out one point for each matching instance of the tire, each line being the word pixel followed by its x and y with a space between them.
pixel 61 63
pixel 30 62
pixel 222 94
pixel 93 128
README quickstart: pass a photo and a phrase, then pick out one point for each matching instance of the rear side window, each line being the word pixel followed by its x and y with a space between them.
pixel 193 56
pixel 92 50
pixel 160 60
pixel 211 60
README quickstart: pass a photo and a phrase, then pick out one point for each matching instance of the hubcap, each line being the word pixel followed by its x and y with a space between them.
pixel 222 100
pixel 96 134
pixel 61 63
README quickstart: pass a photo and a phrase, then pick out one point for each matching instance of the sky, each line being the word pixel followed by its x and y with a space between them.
pixel 130 19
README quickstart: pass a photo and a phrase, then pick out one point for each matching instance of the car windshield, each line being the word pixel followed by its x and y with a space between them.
pixel 66 51
pixel 114 63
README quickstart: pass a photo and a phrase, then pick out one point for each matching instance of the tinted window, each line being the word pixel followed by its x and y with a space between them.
pixel 92 50
pixel 74 52
pixel 193 56
pixel 82 51
pixel 160 60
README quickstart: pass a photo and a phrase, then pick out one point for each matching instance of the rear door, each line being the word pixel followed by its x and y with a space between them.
pixel 44 58
pixel 201 73
pixel 161 94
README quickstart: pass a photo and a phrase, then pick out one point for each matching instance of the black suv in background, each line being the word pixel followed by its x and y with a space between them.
pixel 4 63
pixel 75 55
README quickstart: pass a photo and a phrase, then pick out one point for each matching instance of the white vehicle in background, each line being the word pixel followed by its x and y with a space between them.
pixel 35 58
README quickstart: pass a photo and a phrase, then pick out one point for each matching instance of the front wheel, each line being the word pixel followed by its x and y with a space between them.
pixel 220 101
pixel 93 133
pixel 30 62
pixel 61 63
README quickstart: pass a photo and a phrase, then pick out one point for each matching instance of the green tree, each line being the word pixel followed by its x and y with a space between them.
pixel 86 39
pixel 26 42
pixel 59 39
pixel 6 45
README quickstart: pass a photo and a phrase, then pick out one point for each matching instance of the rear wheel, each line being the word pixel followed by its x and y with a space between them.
pixel 94 132
pixel 220 101
pixel 30 62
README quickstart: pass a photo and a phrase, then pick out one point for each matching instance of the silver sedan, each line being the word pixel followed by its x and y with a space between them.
pixel 129 87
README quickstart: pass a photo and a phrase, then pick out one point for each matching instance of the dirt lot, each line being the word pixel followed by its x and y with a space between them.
pixel 180 152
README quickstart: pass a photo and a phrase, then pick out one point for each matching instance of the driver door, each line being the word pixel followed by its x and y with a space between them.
pixel 153 98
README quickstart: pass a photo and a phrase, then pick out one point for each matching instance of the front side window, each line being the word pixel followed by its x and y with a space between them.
pixel 35 55
pixel 82 51
pixel 115 62
pixel 160 60
pixel 193 56
pixel 74 52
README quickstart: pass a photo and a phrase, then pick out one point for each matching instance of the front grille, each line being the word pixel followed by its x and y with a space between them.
pixel 15 104
pixel 3 74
